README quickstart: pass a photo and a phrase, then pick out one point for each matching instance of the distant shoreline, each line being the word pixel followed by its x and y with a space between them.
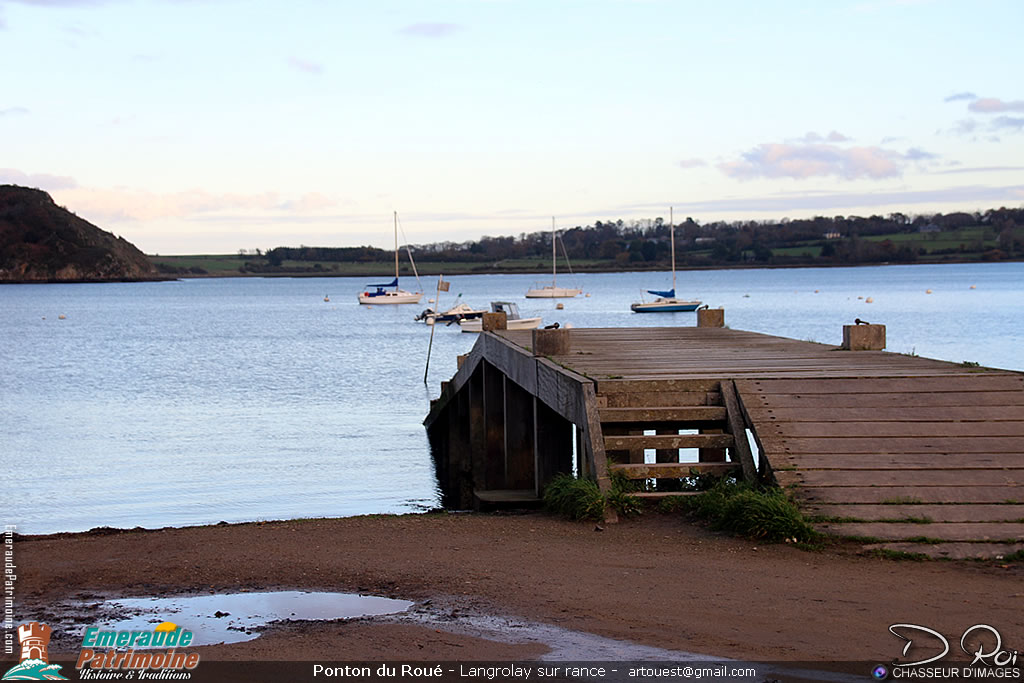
pixel 385 270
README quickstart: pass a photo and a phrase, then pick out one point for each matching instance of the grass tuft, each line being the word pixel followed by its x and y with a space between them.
pixel 577 499
pixel 763 514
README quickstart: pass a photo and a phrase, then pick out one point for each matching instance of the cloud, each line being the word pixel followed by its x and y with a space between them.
pixel 812 136
pixel 13 111
pixel 992 105
pixel 961 96
pixel 830 202
pixel 982 169
pixel 305 65
pixel 42 181
pixel 918 154
pixel 692 163
pixel 125 205
pixel 800 161
pixel 431 30
pixel 1015 123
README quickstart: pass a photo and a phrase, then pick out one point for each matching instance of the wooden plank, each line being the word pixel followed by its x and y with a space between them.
pixel 672 470
pixel 673 414
pixel 900 461
pixel 953 531
pixel 739 431
pixel 897 413
pixel 901 429
pixel 619 443
pixel 880 401
pixel 935 513
pixel 895 444
pixel 910 494
pixel 625 386
pixel 981 381
pixel 659 399
pixel 952 551
pixel 514 362
pixel 920 477
pixel 656 495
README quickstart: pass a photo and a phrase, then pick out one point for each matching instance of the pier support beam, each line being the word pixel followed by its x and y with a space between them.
pixel 519 433
pixel 552 444
pixel 494 417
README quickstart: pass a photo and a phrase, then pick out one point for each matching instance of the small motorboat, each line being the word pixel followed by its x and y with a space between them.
pixel 513 320
pixel 456 313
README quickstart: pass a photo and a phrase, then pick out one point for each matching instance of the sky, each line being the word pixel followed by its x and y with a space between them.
pixel 210 126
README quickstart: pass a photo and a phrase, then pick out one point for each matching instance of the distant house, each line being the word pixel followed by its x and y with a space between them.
pixel 834 235
pixel 704 240
pixel 931 227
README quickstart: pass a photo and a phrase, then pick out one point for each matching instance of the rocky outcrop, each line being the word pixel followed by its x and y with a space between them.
pixel 42 242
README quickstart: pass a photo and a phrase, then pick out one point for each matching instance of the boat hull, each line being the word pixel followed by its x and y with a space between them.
pixel 399 297
pixel 553 293
pixel 665 306
pixel 518 324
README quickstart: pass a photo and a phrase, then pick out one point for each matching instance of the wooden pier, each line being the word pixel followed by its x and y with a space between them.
pixel 902 452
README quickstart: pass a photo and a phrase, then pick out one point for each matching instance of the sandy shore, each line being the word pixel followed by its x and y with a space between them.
pixel 657 581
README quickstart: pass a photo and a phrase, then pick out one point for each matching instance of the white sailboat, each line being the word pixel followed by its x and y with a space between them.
pixel 389 293
pixel 552 291
pixel 666 301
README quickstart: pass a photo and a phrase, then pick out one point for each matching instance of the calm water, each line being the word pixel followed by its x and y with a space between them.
pixel 197 401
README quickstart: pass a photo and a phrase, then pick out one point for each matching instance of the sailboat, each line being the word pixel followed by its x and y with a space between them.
pixel 666 301
pixel 389 293
pixel 552 291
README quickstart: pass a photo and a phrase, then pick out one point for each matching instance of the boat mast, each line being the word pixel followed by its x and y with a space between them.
pixel 672 232
pixel 396 245
pixel 554 259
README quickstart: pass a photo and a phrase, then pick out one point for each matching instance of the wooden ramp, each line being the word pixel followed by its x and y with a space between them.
pixel 906 453
pixel 931 465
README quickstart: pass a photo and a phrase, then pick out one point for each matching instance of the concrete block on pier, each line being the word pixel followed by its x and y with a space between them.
pixel 550 342
pixel 864 337
pixel 711 317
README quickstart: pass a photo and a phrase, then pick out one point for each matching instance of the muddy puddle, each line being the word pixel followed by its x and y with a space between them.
pixel 237 617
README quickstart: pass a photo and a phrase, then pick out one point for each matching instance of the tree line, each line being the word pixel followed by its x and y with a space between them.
pixel 992 235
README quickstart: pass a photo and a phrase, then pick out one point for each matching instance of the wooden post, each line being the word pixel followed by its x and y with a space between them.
pixel 711 317
pixel 550 342
pixel 863 337
pixel 494 321
pixel 477 430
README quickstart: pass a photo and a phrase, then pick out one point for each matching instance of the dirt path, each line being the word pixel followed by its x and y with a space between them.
pixel 656 581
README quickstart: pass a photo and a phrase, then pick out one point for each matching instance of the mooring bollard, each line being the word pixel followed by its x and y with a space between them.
pixel 863 337
pixel 550 342
pixel 711 317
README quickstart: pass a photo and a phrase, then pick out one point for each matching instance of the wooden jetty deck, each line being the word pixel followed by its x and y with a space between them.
pixel 906 453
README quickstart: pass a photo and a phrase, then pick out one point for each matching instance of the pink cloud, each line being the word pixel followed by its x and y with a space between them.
pixel 990 105
pixel 800 161
pixel 124 205
pixel 42 181
pixel 692 163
